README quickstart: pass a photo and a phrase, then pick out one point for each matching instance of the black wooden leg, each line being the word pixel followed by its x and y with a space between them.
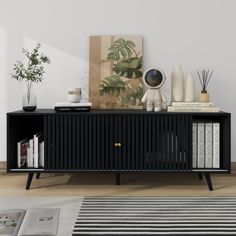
pixel 209 183
pixel 118 179
pixel 200 176
pixel 38 175
pixel 29 180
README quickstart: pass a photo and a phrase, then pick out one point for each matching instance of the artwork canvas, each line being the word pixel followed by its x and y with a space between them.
pixel 115 72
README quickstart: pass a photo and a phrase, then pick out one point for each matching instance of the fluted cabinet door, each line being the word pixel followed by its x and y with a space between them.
pixel 118 142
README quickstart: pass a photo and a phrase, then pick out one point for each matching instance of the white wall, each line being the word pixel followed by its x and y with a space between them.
pixel 193 33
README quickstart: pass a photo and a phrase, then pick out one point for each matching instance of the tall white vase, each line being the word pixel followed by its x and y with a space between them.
pixel 189 89
pixel 177 84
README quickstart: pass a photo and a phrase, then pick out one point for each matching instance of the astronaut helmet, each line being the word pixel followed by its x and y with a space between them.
pixel 154 78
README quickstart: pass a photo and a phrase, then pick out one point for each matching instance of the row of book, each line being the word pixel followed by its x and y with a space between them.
pixel 206 144
pixel 72 107
pixel 30 152
pixel 192 107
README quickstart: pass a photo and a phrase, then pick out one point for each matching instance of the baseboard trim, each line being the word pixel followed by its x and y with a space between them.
pixel 3 165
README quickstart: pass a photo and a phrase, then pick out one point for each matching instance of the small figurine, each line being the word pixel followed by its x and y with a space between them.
pixel 154 79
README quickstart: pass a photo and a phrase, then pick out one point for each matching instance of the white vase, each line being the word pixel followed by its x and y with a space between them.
pixel 189 89
pixel 177 84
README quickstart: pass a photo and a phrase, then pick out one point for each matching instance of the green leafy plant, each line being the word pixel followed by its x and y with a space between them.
pixel 133 97
pixel 33 71
pixel 112 85
pixel 121 49
pixel 126 65
pixel 129 68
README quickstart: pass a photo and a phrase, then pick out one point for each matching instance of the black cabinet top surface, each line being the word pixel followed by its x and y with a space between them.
pixel 113 111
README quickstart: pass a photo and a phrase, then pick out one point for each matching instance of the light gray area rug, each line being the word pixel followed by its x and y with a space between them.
pixel 69 207
pixel 156 216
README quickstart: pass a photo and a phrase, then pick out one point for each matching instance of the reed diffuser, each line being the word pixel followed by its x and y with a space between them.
pixel 204 78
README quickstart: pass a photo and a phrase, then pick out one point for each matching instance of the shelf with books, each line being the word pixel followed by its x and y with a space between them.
pixel 25 142
pixel 211 142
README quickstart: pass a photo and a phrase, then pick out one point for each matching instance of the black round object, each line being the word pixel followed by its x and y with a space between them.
pixel 153 78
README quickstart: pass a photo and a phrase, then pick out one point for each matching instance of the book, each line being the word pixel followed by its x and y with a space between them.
pixel 31 153
pixel 192 104
pixel 41 154
pixel 37 138
pixel 74 104
pixel 216 145
pixel 22 147
pixel 192 109
pixel 201 145
pixel 37 221
pixel 208 145
pixel 194 139
pixel 73 108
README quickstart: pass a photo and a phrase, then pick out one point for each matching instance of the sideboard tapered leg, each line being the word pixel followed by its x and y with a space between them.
pixel 118 179
pixel 29 180
pixel 200 176
pixel 209 183
pixel 37 175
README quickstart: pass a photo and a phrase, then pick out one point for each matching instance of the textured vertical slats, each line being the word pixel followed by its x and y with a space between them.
pixel 101 136
pixel 119 139
pixel 145 142
pixel 73 143
pixel 124 141
pixel 156 120
pixel 70 158
pixel 93 160
pixel 148 142
pixel 82 136
pixel 170 140
pixel 133 145
pixel 140 150
pixel 107 144
pixel 112 156
pixel 129 142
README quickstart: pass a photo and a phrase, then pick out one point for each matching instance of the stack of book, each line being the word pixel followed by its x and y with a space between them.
pixel 206 144
pixel 30 152
pixel 68 106
pixel 192 107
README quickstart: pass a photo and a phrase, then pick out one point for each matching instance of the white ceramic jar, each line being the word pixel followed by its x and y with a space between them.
pixel 189 89
pixel 177 84
pixel 74 94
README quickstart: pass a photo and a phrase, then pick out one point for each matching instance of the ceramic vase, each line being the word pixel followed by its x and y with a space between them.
pixel 189 89
pixel 177 84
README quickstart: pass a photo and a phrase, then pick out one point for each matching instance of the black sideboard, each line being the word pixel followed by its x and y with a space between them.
pixel 114 141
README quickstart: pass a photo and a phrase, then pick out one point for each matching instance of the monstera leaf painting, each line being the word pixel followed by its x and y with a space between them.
pixel 115 72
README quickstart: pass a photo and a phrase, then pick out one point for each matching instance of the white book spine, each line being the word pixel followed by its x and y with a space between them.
pixel 201 146
pixel 42 158
pixel 194 140
pixel 208 145
pixel 192 109
pixel 36 152
pixel 216 145
pixel 192 104
pixel 31 155
pixel 19 154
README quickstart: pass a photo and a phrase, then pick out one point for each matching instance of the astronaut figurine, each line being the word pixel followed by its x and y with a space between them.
pixel 154 79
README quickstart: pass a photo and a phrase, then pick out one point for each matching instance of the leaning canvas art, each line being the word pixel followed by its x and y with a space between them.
pixel 115 72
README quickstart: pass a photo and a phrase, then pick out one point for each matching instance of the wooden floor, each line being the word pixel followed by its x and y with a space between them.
pixel 91 184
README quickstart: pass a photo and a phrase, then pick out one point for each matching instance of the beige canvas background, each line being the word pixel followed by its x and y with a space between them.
pixel 100 67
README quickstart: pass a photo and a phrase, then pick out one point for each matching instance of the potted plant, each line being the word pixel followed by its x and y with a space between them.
pixel 31 72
